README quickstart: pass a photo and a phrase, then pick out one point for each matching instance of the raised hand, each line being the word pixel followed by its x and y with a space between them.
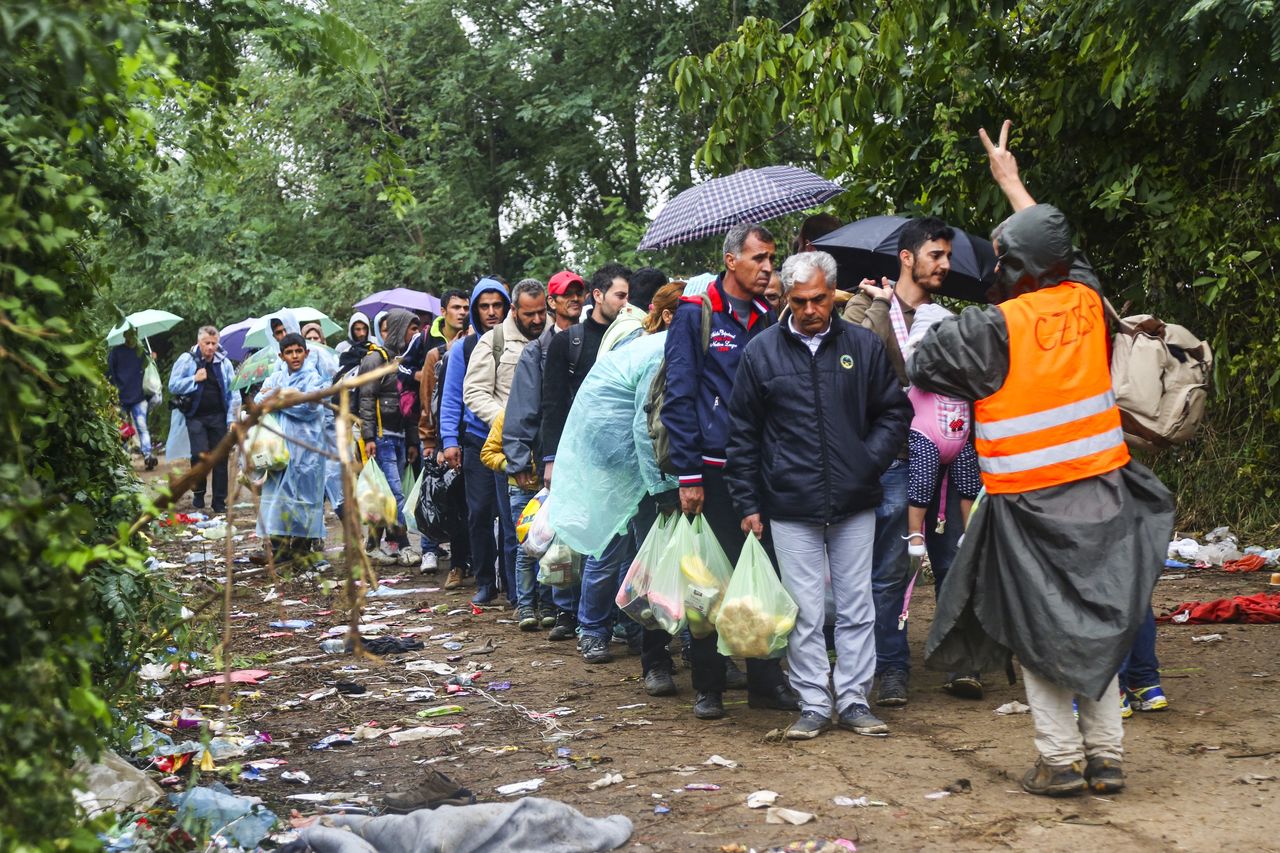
pixel 1004 167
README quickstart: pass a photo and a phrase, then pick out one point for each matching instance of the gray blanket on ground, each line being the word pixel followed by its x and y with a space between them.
pixel 530 824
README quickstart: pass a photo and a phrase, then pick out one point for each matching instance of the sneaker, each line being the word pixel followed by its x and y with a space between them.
pixel 808 726
pixel 779 698
pixel 619 633
pixel 965 686
pixel 528 619
pixel 658 682
pixel 547 615
pixel 152 462
pixel 382 556
pixel 893 689
pixel 435 790
pixel 1148 698
pixel 566 627
pixel 708 706
pixel 484 595
pixel 860 720
pixel 409 557
pixel 915 544
pixel 734 678
pixel 430 563
pixel 1126 710
pixel 1054 780
pixel 595 649
pixel 454 579
pixel 197 501
pixel 1104 775
pixel 219 509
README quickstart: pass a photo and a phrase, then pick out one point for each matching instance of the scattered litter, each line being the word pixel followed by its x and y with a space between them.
pixel 791 816
pixel 243 820
pixel 385 591
pixel 760 799
pixel 721 761
pixel 240 676
pixel 330 797
pixel 857 802
pixel 390 645
pixel 1207 638
pixel 1014 707
pixel 293 624
pixel 319 694
pixel 661 808
pixel 441 711
pixel 499 685
pixel 701 786
pixel 526 787
pixel 335 739
pixel 485 648
pixel 299 776
pixel 418 694
pixel 422 733
pixel 605 781
pixel 114 784
pixel 369 731
pixel 1253 779
pixel 631 707
pixel 960 786
pixel 350 688
pixel 937 795
pixel 429 666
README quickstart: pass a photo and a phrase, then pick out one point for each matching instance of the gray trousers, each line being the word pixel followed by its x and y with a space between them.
pixel 1060 737
pixel 807 554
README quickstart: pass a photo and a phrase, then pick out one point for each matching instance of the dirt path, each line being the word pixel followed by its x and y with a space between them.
pixel 1183 765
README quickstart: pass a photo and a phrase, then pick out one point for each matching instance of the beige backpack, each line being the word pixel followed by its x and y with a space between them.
pixel 1160 374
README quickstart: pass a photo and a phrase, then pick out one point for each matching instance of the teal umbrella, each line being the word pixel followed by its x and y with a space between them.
pixel 255 369
pixel 259 334
pixel 147 323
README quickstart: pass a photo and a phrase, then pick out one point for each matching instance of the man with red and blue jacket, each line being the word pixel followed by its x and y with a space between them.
pixel 695 414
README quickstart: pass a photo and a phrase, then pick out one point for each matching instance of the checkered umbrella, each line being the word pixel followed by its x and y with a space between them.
pixel 752 195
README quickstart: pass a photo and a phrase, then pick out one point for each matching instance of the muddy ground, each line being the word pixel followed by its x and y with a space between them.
pixel 1201 775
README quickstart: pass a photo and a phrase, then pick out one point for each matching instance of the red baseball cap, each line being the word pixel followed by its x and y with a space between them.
pixel 561 281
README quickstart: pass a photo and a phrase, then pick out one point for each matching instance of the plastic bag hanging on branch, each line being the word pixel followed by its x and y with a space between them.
pixel 439 508
pixel 534 530
pixel 757 615
pixel 560 565
pixel 266 449
pixel 706 572
pixel 652 591
pixel 374 497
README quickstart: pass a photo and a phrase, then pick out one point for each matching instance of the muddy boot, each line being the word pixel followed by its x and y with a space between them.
pixel 435 790
pixel 1054 780
pixel 1104 775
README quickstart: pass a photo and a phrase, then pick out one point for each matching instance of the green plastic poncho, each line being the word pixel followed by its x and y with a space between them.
pixel 605 462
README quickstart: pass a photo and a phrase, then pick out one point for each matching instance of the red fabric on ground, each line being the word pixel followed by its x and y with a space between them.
pixel 1251 563
pixel 1251 609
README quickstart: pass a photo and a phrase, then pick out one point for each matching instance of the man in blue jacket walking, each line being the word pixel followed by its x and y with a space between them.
pixel 203 377
pixel 695 412
pixel 462 434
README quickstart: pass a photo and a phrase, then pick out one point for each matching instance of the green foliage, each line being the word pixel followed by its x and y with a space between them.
pixel 1154 126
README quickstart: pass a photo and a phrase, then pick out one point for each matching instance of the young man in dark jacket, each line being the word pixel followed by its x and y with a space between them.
pixel 696 415
pixel 383 428
pixel 817 415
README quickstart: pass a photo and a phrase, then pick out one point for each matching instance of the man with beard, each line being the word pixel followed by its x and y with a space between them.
pixel 924 260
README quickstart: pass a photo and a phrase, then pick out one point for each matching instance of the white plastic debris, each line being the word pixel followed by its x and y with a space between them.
pixel 1184 549
pixel 422 733
pixel 605 781
pixel 791 816
pixel 760 799
pixel 721 761
pixel 299 776
pixel 1207 638
pixel 528 786
pixel 1014 707
pixel 857 802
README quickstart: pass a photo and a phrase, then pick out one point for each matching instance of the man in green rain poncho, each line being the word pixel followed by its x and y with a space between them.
pixel 1060 556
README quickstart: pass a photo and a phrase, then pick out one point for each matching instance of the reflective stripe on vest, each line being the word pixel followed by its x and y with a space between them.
pixel 1054 420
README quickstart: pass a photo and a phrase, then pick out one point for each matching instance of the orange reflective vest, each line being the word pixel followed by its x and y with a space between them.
pixel 1055 418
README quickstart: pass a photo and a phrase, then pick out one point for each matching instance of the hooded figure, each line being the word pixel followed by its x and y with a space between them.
pixel 1061 553
pixel 454 416
pixel 374 334
pixel 293 499
pixel 357 348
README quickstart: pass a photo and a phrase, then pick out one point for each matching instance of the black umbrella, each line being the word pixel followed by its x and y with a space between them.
pixel 868 248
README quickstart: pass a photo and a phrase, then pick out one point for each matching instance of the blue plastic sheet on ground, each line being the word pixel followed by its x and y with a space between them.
pixel 215 809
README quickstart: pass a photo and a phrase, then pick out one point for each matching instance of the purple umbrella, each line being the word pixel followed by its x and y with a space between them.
pixel 232 339
pixel 398 297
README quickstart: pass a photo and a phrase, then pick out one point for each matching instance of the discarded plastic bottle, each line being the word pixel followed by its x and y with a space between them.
pixel 334 646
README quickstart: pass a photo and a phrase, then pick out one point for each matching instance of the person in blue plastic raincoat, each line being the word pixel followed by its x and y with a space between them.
pixel 291 511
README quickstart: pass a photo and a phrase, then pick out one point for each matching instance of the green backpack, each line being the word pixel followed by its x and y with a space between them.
pixel 658 392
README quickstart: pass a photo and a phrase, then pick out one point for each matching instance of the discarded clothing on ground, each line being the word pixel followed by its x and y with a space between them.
pixel 243 820
pixel 1259 609
pixel 389 645
pixel 529 825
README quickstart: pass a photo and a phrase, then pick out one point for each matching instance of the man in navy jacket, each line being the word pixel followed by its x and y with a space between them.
pixel 695 412
pixel 817 416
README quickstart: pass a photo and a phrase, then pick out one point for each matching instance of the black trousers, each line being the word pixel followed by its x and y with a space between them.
pixel 204 432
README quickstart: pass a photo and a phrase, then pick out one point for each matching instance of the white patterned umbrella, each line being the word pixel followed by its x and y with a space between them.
pixel 752 195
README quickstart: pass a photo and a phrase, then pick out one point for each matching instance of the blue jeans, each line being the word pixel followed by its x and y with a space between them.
pixel 600 586
pixel 890 569
pixel 566 598
pixel 529 593
pixel 390 458
pixel 137 414
pixel 1141 668
pixel 481 511
pixel 507 544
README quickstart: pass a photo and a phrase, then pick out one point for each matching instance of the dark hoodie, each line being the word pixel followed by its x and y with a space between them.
pixel 1059 576
pixel 454 415
pixel 380 402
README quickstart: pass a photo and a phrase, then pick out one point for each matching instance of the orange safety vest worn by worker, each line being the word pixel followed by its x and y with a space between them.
pixel 1054 420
